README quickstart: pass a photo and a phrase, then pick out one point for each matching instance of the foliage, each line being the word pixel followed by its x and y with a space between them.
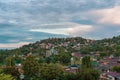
pixel 6 77
pixel 64 58
pixel 71 76
pixel 86 62
pixel 86 71
pixel 116 69
pixel 30 67
pixel 82 74
pixel 104 47
pixel 10 67
pixel 50 71
pixel 10 61
pixel 88 74
pixel 102 54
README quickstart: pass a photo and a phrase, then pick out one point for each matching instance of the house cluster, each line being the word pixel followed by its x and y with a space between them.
pixel 110 76
pixel 104 68
pixel 102 65
pixel 51 47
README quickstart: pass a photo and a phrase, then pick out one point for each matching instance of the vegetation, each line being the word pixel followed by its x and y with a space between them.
pixel 46 59
pixel 10 67
pixel 30 68
pixel 51 71
pixel 86 62
pixel 88 74
pixel 116 69
pixel 5 76
pixel 86 46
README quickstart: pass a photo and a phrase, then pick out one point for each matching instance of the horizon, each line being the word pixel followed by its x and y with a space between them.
pixel 26 21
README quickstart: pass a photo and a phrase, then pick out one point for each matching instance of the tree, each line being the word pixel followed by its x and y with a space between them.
pixel 86 71
pixel 86 62
pixel 30 67
pixel 50 71
pixel 88 74
pixel 64 58
pixel 102 54
pixel 5 76
pixel 10 67
pixel 116 69
pixel 10 61
pixel 71 76
pixel 82 74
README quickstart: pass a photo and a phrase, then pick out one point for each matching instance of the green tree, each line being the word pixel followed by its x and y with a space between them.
pixel 116 69
pixel 88 74
pixel 102 54
pixel 10 61
pixel 86 62
pixel 71 76
pixel 64 58
pixel 30 68
pixel 5 76
pixel 50 71
pixel 10 67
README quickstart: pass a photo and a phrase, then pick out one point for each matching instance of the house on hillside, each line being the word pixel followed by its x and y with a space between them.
pixel 72 69
pixel 113 76
pixel 77 55
pixel 51 52
pixel 76 58
pixel 110 76
pixel 107 63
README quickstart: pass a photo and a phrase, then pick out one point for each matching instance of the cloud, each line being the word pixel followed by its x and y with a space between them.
pixel 24 20
pixel 13 45
pixel 52 31
pixel 107 16
pixel 80 30
pixel 66 28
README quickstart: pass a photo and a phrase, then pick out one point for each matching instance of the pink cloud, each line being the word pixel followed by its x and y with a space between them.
pixel 13 45
pixel 80 29
pixel 107 16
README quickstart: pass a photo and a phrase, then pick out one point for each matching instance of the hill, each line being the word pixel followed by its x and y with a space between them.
pixel 74 44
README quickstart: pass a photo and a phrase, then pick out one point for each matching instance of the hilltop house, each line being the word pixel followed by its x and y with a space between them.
pixel 51 52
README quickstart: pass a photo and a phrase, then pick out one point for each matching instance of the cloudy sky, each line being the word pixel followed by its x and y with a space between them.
pixel 25 21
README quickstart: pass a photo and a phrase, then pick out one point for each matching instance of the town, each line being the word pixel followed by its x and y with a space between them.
pixel 71 58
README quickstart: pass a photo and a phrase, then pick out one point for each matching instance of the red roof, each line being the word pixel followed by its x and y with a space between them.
pixel 75 54
pixel 113 74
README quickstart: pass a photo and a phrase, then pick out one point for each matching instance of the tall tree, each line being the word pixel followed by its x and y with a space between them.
pixel 86 62
pixel 50 71
pixel 10 67
pixel 30 67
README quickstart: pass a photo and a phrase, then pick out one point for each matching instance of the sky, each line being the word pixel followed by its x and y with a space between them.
pixel 25 21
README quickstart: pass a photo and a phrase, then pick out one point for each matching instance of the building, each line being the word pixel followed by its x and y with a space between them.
pixel 113 76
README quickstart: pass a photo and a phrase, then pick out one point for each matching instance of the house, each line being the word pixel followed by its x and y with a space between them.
pixel 113 76
pixel 75 54
pixel 76 58
pixel 51 52
pixel 107 63
pixel 118 61
pixel 72 69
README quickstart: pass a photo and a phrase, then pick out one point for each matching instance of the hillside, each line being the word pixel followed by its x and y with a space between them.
pixel 74 44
